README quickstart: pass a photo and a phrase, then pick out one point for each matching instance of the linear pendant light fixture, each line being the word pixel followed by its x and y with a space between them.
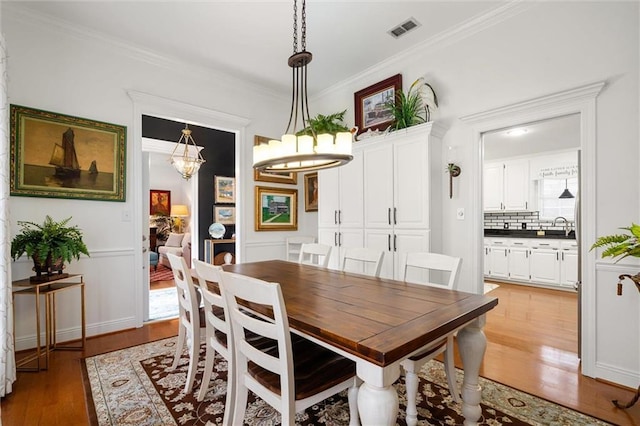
pixel 189 161
pixel 305 152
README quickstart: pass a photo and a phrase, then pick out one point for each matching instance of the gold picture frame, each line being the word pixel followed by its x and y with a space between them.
pixel 225 189
pixel 60 156
pixel 225 215
pixel 280 177
pixel 276 209
pixel 311 192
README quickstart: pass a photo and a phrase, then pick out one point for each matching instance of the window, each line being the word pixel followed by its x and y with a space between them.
pixel 548 202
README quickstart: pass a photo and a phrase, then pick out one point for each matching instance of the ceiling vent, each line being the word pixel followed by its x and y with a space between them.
pixel 405 27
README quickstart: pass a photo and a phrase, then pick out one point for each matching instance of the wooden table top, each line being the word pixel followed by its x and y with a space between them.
pixel 379 320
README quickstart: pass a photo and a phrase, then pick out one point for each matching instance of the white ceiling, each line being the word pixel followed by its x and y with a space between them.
pixel 252 40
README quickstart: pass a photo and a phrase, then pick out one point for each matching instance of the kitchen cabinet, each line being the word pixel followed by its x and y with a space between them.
pixel 392 198
pixel 498 258
pixel 506 185
pixel 340 208
pixel 568 263
pixel 544 261
pixel 401 189
pixel 518 263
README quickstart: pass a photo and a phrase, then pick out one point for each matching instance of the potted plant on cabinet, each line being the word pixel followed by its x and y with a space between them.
pixel 621 246
pixel 50 245
pixel 414 107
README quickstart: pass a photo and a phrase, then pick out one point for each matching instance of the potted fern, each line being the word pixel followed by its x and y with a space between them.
pixel 331 124
pixel 50 245
pixel 414 107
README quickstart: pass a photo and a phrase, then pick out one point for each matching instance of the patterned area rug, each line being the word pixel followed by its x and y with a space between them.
pixel 134 386
pixel 161 273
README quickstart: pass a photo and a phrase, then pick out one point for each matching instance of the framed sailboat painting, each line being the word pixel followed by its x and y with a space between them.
pixel 60 156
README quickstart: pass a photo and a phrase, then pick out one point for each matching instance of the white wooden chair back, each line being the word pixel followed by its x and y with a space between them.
pixel 421 268
pixel 363 260
pixel 280 362
pixel 293 246
pixel 315 254
pixel 188 316
pixel 217 321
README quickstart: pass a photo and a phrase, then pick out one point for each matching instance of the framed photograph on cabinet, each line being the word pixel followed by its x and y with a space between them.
pixel 276 209
pixel 371 104
pixel 225 189
pixel 60 156
pixel 224 215
pixel 279 177
pixel 311 192
pixel 159 202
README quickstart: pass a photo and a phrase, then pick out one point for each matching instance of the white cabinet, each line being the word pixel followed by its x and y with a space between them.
pixel 506 186
pixel 340 208
pixel 400 191
pixel 394 198
pixel 544 261
pixel 568 263
pixel 519 260
pixel 498 258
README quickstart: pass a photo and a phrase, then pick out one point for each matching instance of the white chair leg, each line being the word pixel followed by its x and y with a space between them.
pixel 179 346
pixel 240 404
pixel 194 351
pixel 354 419
pixel 450 369
pixel 411 384
pixel 230 398
pixel 206 377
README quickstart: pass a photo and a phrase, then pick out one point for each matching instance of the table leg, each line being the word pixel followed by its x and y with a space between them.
pixel 472 343
pixel 377 405
pixel 38 343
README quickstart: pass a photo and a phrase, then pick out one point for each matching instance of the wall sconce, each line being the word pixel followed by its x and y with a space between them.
pixel 453 169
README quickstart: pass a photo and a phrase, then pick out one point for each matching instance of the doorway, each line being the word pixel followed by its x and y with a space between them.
pixel 530 210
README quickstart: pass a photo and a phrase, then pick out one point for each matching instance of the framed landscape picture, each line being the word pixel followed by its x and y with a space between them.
pixel 280 177
pixel 371 107
pixel 276 209
pixel 225 189
pixel 224 215
pixel 60 156
pixel 311 192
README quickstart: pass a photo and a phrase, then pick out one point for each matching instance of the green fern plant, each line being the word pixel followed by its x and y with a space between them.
pixel 332 124
pixel 622 245
pixel 411 108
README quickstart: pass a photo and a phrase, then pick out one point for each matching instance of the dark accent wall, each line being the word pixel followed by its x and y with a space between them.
pixel 220 154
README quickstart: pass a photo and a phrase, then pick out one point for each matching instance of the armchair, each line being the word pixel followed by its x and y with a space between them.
pixel 178 244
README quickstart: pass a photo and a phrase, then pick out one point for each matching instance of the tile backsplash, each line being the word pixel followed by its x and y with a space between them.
pixel 514 220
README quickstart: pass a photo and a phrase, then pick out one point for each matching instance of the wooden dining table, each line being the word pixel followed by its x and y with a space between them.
pixel 378 323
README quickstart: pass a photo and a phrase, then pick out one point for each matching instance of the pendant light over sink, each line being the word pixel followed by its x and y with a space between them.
pixel 298 153
pixel 566 193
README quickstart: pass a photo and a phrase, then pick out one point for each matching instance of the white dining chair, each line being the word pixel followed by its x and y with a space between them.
pixel 190 319
pixel 290 374
pixel 219 338
pixel 293 246
pixel 363 260
pixel 425 266
pixel 314 254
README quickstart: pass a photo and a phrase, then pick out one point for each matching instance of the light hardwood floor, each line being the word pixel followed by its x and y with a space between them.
pixel 531 346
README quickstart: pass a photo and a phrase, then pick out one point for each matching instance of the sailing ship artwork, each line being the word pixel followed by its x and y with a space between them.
pixel 67 157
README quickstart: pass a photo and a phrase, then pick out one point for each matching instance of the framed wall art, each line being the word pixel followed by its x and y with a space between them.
pixel 224 215
pixel 225 189
pixel 159 202
pixel 371 107
pixel 276 209
pixel 60 156
pixel 280 177
pixel 311 192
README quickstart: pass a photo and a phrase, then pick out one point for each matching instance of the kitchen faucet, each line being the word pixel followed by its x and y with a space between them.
pixel 567 226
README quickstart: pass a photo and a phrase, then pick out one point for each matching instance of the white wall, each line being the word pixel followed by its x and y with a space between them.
pixel 548 47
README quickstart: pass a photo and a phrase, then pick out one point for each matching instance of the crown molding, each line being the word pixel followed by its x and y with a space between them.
pixel 23 15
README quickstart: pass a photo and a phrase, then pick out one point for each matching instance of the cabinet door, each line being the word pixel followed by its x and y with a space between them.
pixel 349 238
pixel 519 263
pixel 516 185
pixel 487 263
pixel 351 187
pixel 492 184
pixel 329 236
pixel 568 268
pixel 405 241
pixel 378 187
pixel 499 261
pixel 328 197
pixel 411 184
pixel 545 266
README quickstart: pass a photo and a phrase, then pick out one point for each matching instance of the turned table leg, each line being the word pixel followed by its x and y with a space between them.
pixel 472 343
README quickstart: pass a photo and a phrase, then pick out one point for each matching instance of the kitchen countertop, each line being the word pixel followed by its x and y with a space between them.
pixel 528 233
